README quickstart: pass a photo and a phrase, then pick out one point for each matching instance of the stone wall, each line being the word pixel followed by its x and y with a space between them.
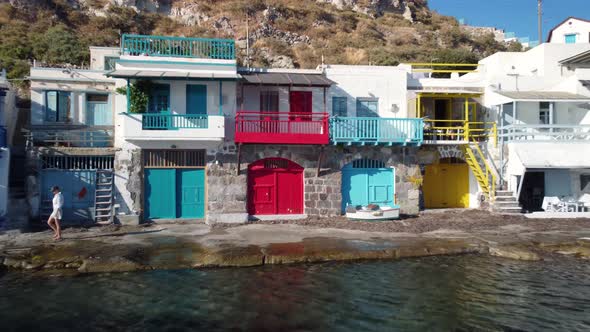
pixel 128 186
pixel 227 192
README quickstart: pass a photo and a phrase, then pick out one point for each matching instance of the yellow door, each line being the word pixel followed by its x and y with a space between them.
pixel 446 186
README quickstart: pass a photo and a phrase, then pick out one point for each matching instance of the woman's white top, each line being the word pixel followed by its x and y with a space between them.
pixel 58 201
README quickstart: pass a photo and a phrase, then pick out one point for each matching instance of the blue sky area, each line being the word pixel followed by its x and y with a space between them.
pixel 518 16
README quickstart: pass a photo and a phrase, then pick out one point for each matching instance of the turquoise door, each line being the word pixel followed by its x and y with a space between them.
pixel 160 193
pixel 190 186
pixel 367 183
pixel 98 110
pixel 570 39
pixel 172 193
pixel 77 188
pixel 196 99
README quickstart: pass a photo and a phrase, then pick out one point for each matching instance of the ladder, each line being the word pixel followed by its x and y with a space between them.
pixel 103 198
pixel 46 209
pixel 481 169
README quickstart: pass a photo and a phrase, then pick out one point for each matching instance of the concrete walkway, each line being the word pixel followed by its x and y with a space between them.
pixel 177 246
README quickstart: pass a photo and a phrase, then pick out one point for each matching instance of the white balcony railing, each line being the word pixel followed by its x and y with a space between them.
pixel 544 133
pixel 176 127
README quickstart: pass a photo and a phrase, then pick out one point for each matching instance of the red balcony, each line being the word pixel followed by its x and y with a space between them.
pixel 282 127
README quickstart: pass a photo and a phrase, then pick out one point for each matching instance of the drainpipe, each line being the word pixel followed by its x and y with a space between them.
pixel 501 120
pixel 220 97
pixel 128 97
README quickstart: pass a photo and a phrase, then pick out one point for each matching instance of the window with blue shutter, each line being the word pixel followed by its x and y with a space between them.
pixel 570 39
pixel 339 107
pixel 57 106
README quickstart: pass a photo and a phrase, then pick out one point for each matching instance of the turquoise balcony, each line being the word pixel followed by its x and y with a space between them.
pixel 158 121
pixel 180 47
pixel 376 131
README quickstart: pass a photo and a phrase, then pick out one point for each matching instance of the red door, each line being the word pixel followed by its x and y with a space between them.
pixel 275 186
pixel 300 102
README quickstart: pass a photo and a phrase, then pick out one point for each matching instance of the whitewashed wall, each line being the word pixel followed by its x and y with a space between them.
pixel 388 84
pixel 97 55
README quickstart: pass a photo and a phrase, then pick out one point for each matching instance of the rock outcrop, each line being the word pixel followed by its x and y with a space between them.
pixel 379 7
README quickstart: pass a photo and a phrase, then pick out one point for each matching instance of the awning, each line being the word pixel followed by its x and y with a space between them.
pixel 153 74
pixel 553 155
pixel 577 60
pixel 292 79
pixel 542 96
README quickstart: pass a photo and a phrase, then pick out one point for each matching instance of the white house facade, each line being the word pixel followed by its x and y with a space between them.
pixel 571 31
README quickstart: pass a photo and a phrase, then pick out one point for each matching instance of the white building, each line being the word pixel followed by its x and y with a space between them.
pixel 571 31
pixel 71 138
pixel 541 101
pixel 7 124
pixel 179 97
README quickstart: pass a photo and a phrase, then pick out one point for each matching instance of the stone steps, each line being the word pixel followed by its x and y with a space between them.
pixel 505 202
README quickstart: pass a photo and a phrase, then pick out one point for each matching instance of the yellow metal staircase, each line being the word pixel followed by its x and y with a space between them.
pixel 480 168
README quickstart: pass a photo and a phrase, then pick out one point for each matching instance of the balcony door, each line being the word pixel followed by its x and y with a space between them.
pixel 196 99
pixel 98 110
pixel 159 99
pixel 300 102
pixel 269 104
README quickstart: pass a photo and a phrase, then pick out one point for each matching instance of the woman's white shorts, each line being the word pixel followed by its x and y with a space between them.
pixel 56 214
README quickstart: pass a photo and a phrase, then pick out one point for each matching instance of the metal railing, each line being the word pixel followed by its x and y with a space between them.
pixel 460 131
pixel 545 133
pixel 78 137
pixel 282 127
pixel 205 48
pixel 376 130
pixel 444 68
pixel 77 162
pixel 155 121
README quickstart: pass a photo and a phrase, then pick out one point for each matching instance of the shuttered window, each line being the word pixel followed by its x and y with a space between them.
pixel 57 106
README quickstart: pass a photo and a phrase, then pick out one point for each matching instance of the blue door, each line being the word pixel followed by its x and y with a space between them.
pixel 172 193
pixel 367 182
pixel 160 193
pixel 190 185
pixel 78 189
pixel 196 99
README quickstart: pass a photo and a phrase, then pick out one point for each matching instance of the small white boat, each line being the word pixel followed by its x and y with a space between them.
pixel 383 213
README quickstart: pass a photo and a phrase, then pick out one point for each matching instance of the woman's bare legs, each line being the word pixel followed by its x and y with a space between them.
pixel 58 229
pixel 51 222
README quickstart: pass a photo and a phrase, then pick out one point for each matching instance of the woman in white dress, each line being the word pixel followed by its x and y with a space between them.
pixel 55 217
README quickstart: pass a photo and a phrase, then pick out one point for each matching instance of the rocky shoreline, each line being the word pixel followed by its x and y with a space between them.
pixel 185 246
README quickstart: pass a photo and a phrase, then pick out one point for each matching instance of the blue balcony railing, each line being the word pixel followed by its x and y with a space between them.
pixel 204 48
pixel 369 130
pixel 156 121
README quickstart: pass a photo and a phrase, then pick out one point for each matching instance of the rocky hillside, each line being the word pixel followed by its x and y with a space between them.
pixel 282 33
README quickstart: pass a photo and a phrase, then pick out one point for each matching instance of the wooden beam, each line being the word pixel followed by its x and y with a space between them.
pixel 320 158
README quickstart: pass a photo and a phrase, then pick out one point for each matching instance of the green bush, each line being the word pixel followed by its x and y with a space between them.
pixel 139 95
